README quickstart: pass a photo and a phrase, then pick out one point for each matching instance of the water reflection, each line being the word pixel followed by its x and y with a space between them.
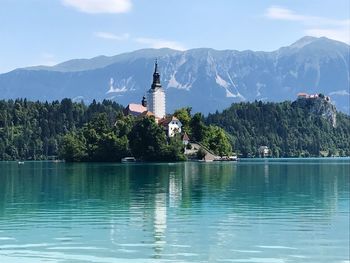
pixel 190 212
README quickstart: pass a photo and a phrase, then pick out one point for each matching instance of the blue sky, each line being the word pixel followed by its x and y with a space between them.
pixel 47 32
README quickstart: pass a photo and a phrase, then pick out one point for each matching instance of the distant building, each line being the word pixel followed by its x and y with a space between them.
pixel 185 139
pixel 303 95
pixel 156 95
pixel 264 151
pixel 171 125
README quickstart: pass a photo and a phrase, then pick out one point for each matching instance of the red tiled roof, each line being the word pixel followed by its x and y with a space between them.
pixel 166 121
pixel 302 94
pixel 136 108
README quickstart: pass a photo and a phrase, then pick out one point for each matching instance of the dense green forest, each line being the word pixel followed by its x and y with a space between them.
pixel 289 129
pixel 97 132
pixel 100 132
pixel 141 137
pixel 34 130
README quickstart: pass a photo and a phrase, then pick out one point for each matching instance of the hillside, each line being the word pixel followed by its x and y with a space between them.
pixel 302 128
pixel 36 130
pixel 206 79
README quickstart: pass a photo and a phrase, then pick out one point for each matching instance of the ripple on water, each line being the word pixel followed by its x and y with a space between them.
pixel 199 213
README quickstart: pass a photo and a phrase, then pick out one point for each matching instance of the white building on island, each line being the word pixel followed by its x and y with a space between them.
pixel 171 125
pixel 156 95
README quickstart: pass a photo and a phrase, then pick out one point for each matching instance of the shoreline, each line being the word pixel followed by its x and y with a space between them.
pixel 188 161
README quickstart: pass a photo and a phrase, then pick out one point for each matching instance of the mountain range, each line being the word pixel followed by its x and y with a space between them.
pixel 204 78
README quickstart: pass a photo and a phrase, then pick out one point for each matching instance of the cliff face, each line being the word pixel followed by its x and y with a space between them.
pixel 321 107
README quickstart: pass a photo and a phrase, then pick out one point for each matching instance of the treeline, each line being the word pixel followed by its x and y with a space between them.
pixel 100 132
pixel 99 141
pixel 140 137
pixel 288 129
pixel 96 132
pixel 34 130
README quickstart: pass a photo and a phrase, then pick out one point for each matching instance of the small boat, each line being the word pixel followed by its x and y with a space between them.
pixel 20 162
pixel 128 160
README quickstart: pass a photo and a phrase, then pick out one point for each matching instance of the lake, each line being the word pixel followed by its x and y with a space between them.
pixel 255 210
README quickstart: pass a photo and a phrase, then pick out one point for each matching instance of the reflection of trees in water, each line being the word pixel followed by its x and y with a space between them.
pixel 116 186
pixel 145 203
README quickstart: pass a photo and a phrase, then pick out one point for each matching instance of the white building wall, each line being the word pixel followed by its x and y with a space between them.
pixel 156 102
pixel 173 128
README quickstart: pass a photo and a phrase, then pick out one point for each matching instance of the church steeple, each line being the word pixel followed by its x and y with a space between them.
pixel 156 95
pixel 156 66
pixel 156 77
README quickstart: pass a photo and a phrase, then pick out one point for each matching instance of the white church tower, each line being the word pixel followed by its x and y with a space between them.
pixel 156 95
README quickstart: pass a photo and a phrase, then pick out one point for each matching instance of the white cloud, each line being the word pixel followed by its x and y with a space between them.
pixel 100 6
pixel 149 42
pixel 111 36
pixel 160 43
pixel 280 13
pixel 338 29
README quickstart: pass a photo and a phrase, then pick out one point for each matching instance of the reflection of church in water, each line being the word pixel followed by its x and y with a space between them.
pixel 148 225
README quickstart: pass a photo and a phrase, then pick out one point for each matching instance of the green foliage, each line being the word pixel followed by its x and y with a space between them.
pixel 174 151
pixel 217 141
pixel 73 149
pixel 35 130
pixel 148 142
pixel 201 154
pixel 184 115
pixel 147 139
pixel 198 127
pixel 288 129
pixel 100 132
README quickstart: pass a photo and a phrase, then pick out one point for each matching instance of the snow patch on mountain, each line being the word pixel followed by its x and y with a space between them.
pixel 221 82
pixel 122 87
pixel 238 94
pixel 173 83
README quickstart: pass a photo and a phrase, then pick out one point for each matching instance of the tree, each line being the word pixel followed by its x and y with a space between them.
pixel 110 148
pixel 73 148
pixel 174 151
pixel 184 115
pixel 201 153
pixel 197 127
pixel 147 139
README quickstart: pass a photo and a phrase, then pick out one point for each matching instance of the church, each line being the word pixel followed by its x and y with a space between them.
pixel 156 95
pixel 153 104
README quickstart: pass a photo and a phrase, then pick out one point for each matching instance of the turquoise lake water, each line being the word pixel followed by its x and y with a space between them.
pixel 264 211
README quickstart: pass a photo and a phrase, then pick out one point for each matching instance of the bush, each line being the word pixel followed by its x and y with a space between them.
pixel 201 154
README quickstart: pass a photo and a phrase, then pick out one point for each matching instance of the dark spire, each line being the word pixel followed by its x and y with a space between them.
pixel 156 66
pixel 156 77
